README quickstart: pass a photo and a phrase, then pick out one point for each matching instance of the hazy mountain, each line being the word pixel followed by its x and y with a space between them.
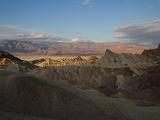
pixel 64 48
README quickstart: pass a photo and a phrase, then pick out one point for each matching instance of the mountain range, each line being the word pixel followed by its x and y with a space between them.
pixel 20 47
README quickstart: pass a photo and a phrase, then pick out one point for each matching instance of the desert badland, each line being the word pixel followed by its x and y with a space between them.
pixel 79 60
pixel 112 87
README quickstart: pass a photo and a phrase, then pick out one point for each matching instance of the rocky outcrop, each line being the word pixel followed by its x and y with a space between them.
pixel 114 75
pixel 78 59
pixel 46 99
pixel 15 116
pixel 149 84
pixel 6 59
pixel 153 53
pixel 84 77
pixel 4 62
pixel 9 56
pixel 38 61
pixel 93 58
pixel 144 89
pixel 114 60
pixel 48 62
pixel 28 98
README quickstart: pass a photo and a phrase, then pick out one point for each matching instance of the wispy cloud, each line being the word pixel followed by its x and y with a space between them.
pixel 34 35
pixel 8 32
pixel 77 39
pixel 87 2
pixel 147 33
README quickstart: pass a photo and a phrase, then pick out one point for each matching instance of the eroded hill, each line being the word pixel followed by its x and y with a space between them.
pixel 6 59
pixel 28 97
pixel 113 87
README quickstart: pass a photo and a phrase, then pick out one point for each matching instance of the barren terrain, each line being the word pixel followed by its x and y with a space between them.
pixel 115 86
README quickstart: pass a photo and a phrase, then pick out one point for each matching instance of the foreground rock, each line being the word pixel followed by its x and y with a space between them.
pixel 24 97
pixel 15 116
pixel 47 99
pixel 100 78
pixel 149 84
pixel 114 82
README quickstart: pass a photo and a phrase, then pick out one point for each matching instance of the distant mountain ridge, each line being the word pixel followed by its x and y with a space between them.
pixel 64 48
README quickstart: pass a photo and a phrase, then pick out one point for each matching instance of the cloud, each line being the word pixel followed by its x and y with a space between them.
pixel 87 2
pixel 8 32
pixel 34 35
pixel 147 33
pixel 77 39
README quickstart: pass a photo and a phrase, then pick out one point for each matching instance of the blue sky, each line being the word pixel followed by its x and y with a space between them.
pixel 96 20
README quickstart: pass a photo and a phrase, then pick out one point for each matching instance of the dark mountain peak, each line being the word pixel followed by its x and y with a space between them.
pixel 109 52
pixel 152 53
pixel 158 46
pixel 7 55
pixel 78 58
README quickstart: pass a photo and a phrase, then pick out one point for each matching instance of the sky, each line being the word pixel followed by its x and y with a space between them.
pixel 130 21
